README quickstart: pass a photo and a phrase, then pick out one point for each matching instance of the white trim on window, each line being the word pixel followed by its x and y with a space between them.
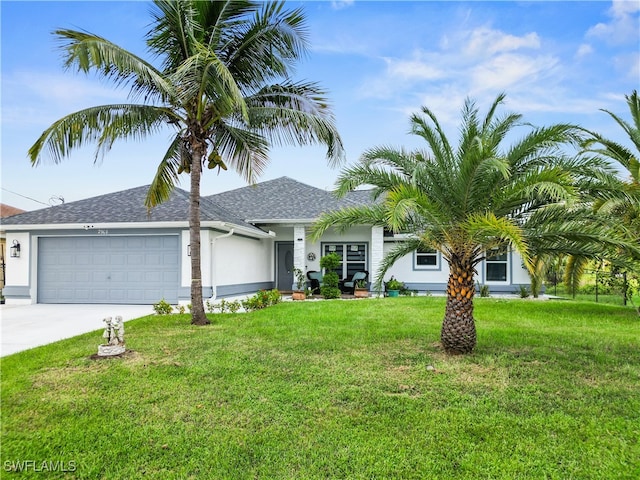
pixel 425 259
pixel 355 256
pixel 496 269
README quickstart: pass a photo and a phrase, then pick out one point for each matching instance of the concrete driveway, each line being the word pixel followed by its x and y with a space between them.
pixel 27 326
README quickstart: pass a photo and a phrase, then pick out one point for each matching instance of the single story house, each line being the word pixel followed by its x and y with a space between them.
pixel 108 249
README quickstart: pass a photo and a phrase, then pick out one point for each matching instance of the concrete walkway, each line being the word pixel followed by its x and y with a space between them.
pixel 27 326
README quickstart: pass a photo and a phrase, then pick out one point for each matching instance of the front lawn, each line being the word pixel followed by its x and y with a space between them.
pixel 336 389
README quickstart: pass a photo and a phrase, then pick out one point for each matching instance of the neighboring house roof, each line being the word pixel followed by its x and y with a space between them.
pixel 8 210
pixel 283 199
pixel 126 207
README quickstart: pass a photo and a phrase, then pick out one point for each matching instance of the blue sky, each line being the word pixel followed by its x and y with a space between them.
pixel 379 61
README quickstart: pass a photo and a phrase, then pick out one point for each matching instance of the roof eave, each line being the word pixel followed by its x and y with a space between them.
pixel 246 230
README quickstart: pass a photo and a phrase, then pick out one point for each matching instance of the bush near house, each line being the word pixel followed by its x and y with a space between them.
pixel 331 281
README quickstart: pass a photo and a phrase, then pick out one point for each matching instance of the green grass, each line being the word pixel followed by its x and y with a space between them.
pixel 608 298
pixel 338 389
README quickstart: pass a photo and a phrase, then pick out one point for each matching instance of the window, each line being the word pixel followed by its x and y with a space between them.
pixel 353 255
pixel 426 259
pixel 496 267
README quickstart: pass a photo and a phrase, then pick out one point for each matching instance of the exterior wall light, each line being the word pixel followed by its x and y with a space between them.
pixel 15 249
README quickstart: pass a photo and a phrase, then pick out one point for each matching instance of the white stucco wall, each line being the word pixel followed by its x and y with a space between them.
pixel 518 270
pixel 229 260
pixel 205 257
pixel 18 269
pixel 405 271
pixel 241 260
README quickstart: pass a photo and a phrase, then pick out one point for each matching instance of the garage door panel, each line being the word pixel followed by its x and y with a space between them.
pixel 118 243
pixel 83 259
pixel 136 242
pixel 117 259
pixel 123 269
pixel 135 277
pixel 133 259
pixel 65 260
pixel 82 277
pixel 170 277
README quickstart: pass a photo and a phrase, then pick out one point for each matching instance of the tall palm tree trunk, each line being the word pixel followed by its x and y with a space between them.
pixel 458 334
pixel 198 317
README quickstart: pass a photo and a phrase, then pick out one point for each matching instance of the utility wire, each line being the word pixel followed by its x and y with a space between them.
pixel 24 196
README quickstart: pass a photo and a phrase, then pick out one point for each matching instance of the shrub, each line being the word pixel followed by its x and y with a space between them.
pixel 224 306
pixel 162 307
pixel 211 308
pixel 330 288
pixel 330 262
pixel 523 291
pixel 484 290
pixel 262 299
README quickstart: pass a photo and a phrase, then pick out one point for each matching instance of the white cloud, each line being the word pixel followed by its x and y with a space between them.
pixel 340 4
pixel 584 50
pixel 413 69
pixel 624 26
pixel 623 7
pixel 485 41
pixel 628 65
pixel 510 71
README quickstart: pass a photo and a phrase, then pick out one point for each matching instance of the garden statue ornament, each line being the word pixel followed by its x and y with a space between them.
pixel 114 336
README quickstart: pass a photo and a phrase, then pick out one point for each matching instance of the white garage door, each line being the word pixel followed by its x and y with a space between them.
pixel 111 269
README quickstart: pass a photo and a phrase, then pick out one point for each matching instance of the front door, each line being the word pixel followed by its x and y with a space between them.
pixel 284 265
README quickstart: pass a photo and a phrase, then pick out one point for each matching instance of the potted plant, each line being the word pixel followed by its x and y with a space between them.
pixel 299 287
pixel 393 287
pixel 361 290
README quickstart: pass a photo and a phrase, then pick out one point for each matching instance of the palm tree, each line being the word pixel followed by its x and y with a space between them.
pixel 466 202
pixel 623 205
pixel 223 86
pixel 627 206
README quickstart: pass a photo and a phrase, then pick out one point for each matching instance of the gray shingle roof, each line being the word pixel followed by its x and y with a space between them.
pixel 284 199
pixel 126 206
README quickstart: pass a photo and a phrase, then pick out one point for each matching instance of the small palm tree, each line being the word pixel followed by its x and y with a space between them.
pixel 466 202
pixel 223 86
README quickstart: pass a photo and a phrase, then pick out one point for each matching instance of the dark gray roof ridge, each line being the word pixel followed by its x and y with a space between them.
pixel 281 199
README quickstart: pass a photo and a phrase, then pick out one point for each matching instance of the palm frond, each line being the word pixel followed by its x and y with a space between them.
pixel 296 113
pixel 489 231
pixel 87 52
pixel 166 177
pixel 241 149
pixel 400 250
pixel 574 270
pixel 103 125
pixel 346 218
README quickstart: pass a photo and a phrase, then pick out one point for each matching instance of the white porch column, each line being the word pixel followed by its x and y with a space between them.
pixel 299 249
pixel 377 252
